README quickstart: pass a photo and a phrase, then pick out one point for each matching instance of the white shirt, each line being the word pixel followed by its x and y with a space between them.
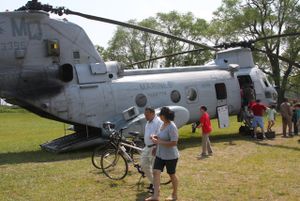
pixel 152 127
pixel 271 114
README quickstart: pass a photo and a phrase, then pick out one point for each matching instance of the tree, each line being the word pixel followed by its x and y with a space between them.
pixel 129 46
pixel 238 19
pixel 184 26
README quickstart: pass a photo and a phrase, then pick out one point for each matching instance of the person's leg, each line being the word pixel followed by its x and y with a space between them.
pixel 204 144
pixel 289 123
pixel 209 149
pixel 269 125
pixel 157 169
pixel 262 126
pixel 263 132
pixel 295 128
pixel 298 126
pixel 272 124
pixel 255 132
pixel 284 124
pixel 156 183
pixel 254 126
pixel 147 163
pixel 171 170
pixel 174 180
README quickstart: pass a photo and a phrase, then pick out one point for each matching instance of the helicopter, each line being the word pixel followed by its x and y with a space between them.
pixel 51 68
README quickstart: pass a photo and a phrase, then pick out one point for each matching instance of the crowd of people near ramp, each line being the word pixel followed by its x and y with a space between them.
pixel 253 111
pixel 290 114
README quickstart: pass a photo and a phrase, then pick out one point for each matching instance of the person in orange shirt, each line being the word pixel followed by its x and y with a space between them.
pixel 206 130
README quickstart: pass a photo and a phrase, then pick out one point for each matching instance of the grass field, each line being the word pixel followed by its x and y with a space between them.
pixel 241 169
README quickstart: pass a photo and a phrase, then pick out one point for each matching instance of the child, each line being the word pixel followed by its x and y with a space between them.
pixel 271 112
pixel 206 129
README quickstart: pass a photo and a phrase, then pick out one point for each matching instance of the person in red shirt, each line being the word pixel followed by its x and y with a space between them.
pixel 258 110
pixel 206 130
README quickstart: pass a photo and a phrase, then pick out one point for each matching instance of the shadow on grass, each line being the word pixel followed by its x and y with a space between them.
pixel 187 142
pixel 41 156
pixel 195 140
pixel 228 139
pixel 262 143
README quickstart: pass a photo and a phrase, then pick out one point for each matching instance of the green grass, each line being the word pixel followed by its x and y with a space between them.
pixel 241 169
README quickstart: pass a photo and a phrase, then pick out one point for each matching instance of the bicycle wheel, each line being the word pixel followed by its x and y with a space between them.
pixel 96 156
pixel 164 178
pixel 113 164
pixel 97 153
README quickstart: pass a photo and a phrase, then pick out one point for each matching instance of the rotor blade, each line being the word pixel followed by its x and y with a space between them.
pixel 249 43
pixel 279 57
pixel 167 55
pixel 276 36
pixel 141 28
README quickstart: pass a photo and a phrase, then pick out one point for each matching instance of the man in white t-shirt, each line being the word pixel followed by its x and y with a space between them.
pixel 152 128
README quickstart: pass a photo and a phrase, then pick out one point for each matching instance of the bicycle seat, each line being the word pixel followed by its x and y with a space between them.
pixel 134 133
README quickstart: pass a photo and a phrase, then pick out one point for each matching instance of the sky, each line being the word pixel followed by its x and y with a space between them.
pixel 121 10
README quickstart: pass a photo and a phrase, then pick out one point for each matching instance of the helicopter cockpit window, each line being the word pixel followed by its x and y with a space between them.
pixel 52 48
pixel 191 94
pixel 141 100
pixel 175 96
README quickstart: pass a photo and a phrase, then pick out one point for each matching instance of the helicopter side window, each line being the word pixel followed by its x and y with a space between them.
pixel 221 91
pixel 141 100
pixel 191 94
pixel 175 96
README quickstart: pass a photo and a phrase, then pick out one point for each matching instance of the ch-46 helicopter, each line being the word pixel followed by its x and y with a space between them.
pixel 51 68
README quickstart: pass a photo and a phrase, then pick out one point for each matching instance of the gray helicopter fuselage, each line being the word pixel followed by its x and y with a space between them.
pixel 52 68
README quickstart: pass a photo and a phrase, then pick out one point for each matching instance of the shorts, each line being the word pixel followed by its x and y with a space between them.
pixel 159 164
pixel 258 121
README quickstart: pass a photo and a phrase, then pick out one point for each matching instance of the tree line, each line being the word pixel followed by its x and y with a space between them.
pixel 234 20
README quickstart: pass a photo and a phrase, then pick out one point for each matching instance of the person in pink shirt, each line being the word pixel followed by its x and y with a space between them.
pixel 205 125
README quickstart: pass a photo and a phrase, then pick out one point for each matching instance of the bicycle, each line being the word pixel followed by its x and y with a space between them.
pixel 136 140
pixel 114 161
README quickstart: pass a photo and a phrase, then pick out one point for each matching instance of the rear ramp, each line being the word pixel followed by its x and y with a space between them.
pixel 73 142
